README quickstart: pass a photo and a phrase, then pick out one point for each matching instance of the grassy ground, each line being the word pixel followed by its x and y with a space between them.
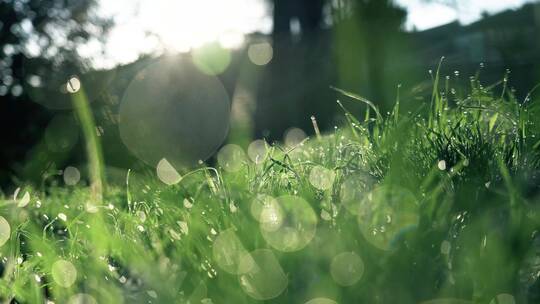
pixel 437 205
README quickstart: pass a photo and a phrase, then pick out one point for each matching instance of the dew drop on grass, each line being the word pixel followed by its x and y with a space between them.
pixel 503 298
pixel 64 273
pixel 62 216
pixel 229 252
pixel 231 158
pixel 260 53
pixel 322 178
pixel 82 298
pixel 167 173
pixel 187 203
pixel 347 268
pixel 73 85
pixel 385 202
pixel 321 301
pixel 257 151
pixel 441 165
pixel 265 279
pixel 291 226
pixel 72 176
pixel 24 200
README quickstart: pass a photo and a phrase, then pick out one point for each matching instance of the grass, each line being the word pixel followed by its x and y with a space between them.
pixel 436 205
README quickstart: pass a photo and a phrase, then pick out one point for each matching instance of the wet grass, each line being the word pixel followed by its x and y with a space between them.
pixel 436 205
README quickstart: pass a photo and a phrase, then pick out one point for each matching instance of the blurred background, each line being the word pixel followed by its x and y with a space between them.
pixel 170 78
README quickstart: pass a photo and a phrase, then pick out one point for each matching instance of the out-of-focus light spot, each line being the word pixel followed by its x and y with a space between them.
pixel 61 134
pixel 294 136
pixel 64 273
pixel 322 178
pixel 35 81
pixel 171 110
pixel 353 190
pixel 321 301
pixel 72 176
pixel 91 207
pixel 265 280
pixel 62 217
pixel 446 246
pixel 259 203
pixel 271 215
pixel 441 165
pixel 212 59
pixel 16 90
pixel 231 39
pixel 5 231
pixel 386 214
pixel 296 231
pixel 166 173
pixel 257 151
pixel 231 158
pixel 503 298
pixel 73 85
pixel 447 301
pixel 229 253
pixel 347 268
pixel 260 53
pixel 82 298
pixel 23 202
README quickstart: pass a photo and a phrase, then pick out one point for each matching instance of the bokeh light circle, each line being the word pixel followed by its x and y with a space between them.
pixel 167 173
pixel 258 151
pixel 82 298
pixel 71 176
pixel 171 110
pixel 212 59
pixel 264 202
pixel 347 268
pixel 503 298
pixel 321 301
pixel 229 253
pixel 288 225
pixel 260 53
pixel 5 231
pixel 353 190
pixel 322 178
pixel 64 273
pixel 386 214
pixel 231 158
pixel 265 279
pixel 293 137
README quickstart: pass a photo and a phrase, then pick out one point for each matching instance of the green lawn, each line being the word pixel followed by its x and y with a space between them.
pixel 436 205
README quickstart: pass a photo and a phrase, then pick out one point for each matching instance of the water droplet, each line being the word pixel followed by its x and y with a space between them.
pixel 441 165
pixel 73 85
pixel 257 151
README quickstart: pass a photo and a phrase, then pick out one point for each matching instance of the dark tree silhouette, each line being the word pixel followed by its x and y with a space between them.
pixel 39 42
